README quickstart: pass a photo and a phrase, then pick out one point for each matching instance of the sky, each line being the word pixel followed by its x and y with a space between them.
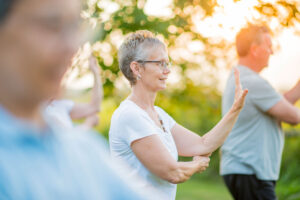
pixel 284 66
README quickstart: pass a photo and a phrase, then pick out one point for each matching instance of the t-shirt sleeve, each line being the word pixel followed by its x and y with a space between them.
pixel 134 125
pixel 170 122
pixel 64 104
pixel 263 95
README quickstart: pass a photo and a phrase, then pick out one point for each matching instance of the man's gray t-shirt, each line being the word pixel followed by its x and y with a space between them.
pixel 255 143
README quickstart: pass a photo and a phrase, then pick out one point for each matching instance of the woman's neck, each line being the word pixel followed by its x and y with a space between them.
pixel 142 97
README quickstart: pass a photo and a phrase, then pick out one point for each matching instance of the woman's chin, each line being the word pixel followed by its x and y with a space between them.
pixel 158 88
pixel 162 87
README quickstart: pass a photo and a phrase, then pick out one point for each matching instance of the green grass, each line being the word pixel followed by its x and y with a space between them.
pixel 203 189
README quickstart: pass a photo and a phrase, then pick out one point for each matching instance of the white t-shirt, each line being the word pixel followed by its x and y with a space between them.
pixel 59 112
pixel 129 123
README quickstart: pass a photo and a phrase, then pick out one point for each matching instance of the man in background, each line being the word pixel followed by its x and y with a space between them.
pixel 251 155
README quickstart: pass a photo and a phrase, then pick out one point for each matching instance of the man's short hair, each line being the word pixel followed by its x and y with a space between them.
pixel 249 35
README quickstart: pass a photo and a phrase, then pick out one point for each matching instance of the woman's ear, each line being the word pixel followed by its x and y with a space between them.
pixel 135 68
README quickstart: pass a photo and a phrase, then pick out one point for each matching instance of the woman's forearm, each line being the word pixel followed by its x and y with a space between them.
pixel 152 153
pixel 97 92
pixel 184 170
pixel 189 143
pixel 216 137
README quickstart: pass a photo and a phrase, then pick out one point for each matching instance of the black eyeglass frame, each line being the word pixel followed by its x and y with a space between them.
pixel 164 64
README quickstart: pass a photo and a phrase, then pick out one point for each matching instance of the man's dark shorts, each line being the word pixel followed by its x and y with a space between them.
pixel 248 187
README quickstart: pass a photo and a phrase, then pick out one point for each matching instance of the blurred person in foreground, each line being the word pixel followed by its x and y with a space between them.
pixel 64 111
pixel 39 159
pixel 144 135
pixel 251 154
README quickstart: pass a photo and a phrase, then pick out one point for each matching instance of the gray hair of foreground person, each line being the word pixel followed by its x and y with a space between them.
pixel 134 48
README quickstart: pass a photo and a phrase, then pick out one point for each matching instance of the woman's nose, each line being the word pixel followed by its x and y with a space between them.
pixel 166 70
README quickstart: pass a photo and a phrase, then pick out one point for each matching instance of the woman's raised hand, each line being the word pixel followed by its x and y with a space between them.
pixel 240 94
pixel 93 64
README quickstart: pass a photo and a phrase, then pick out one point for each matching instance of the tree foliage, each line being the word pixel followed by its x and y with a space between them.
pixel 178 30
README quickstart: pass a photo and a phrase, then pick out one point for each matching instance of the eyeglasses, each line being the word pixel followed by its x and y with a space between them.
pixel 162 64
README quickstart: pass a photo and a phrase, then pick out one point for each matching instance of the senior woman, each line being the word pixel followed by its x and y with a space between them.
pixel 144 135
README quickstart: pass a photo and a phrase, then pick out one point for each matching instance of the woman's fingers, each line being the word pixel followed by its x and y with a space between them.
pixel 92 60
pixel 243 96
pixel 93 64
pixel 201 158
pixel 203 162
pixel 245 92
pixel 240 94
pixel 239 102
pixel 238 86
pixel 237 76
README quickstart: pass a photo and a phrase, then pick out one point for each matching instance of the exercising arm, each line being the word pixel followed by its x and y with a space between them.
pixel 293 95
pixel 190 144
pixel 89 122
pixel 84 110
pixel 284 110
pixel 157 159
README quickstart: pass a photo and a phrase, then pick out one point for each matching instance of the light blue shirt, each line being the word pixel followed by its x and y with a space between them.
pixel 55 163
pixel 255 143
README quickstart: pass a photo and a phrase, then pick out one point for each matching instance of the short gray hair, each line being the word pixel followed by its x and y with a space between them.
pixel 133 49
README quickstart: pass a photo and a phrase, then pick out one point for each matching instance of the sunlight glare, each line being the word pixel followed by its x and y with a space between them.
pixel 158 8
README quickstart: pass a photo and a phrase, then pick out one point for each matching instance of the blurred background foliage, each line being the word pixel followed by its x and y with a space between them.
pixel 193 98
